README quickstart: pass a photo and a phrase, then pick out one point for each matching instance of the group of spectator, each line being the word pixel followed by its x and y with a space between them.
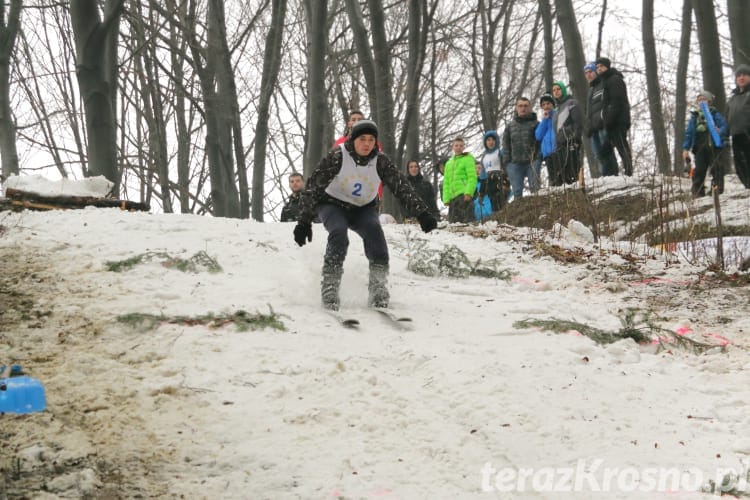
pixel 472 188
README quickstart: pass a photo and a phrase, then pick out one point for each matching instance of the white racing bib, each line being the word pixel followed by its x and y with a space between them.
pixel 491 162
pixel 355 184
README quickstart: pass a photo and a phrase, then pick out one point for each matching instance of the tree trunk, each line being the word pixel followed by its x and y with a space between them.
pixel 713 71
pixel 600 31
pixel 708 37
pixel 410 135
pixel 738 13
pixel 180 104
pixel 546 11
pixel 96 69
pixel 654 92
pixel 376 67
pixel 207 63
pixel 317 101
pixel 420 23
pixel 152 108
pixel 8 32
pixel 680 107
pixel 574 60
pixel 271 65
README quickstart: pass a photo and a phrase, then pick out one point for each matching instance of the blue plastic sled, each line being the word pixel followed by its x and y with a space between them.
pixel 711 124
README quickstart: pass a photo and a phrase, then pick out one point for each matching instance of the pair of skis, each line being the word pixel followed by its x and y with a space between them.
pixel 399 322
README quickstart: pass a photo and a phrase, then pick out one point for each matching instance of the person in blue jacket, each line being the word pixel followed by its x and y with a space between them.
pixel 706 154
pixel 545 135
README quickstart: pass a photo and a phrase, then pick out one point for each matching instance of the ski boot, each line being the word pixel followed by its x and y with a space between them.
pixel 378 286
pixel 329 286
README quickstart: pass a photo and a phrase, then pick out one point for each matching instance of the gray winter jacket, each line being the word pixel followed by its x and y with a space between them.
pixel 738 111
pixel 519 143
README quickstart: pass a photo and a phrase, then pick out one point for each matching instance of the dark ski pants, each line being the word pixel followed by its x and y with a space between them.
pixel 605 153
pixel 554 169
pixel 364 221
pixel 707 158
pixel 461 210
pixel 619 139
pixel 741 150
pixel 497 189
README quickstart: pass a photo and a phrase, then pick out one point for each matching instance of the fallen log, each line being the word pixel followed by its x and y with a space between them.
pixel 18 200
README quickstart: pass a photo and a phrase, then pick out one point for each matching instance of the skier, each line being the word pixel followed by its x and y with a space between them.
pixel 343 190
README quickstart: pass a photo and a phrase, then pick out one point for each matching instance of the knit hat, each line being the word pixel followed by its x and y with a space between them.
pixel 708 95
pixel 604 62
pixel 742 69
pixel 563 88
pixel 590 67
pixel 363 127
pixel 547 98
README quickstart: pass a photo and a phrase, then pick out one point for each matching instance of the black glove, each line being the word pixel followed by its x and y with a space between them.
pixel 427 221
pixel 302 231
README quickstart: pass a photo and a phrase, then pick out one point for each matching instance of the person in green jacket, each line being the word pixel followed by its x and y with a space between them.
pixel 459 183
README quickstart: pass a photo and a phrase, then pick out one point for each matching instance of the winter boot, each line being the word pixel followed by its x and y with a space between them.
pixel 378 286
pixel 329 286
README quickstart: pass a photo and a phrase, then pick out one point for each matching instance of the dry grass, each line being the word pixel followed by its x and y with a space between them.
pixel 653 214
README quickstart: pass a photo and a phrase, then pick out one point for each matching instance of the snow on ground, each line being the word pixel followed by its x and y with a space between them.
pixel 462 405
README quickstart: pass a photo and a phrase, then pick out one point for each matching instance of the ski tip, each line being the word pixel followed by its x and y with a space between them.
pixel 350 323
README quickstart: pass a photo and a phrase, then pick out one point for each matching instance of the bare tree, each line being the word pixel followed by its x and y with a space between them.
pixel 8 32
pixel 150 108
pixel 486 56
pixel 209 63
pixel 681 85
pixel 317 102
pixel 546 11
pixel 376 68
pixel 271 64
pixel 600 31
pixel 738 12
pixel 178 61
pixel 708 37
pixel 96 68
pixel 49 117
pixel 654 93
pixel 420 20
pixel 575 61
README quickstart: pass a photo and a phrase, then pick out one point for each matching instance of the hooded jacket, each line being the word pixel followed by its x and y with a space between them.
pixel 568 121
pixel 492 159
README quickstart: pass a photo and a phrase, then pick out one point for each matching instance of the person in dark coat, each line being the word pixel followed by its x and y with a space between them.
pixel 343 190
pixel 738 119
pixel 594 128
pixel 424 189
pixel 615 113
pixel 290 212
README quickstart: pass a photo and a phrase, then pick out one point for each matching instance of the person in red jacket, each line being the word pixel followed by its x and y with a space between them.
pixel 354 117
